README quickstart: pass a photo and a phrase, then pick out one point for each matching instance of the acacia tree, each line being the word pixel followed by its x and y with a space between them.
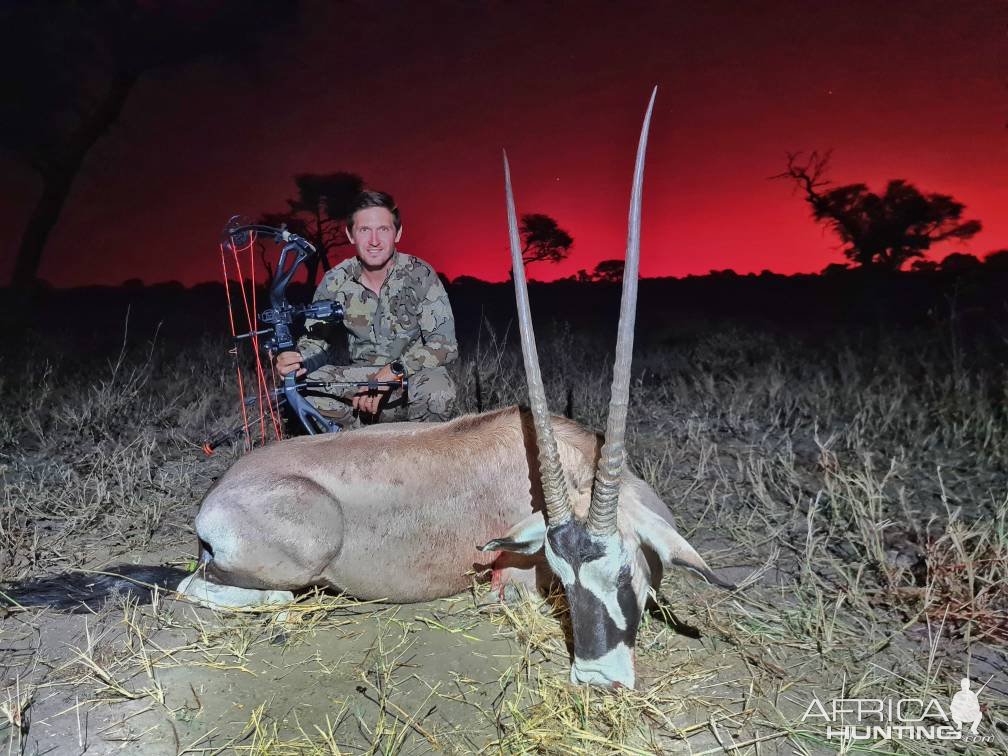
pixel 67 69
pixel 879 230
pixel 319 213
pixel 543 240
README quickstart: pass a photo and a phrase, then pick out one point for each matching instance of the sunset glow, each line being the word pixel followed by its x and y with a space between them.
pixel 420 102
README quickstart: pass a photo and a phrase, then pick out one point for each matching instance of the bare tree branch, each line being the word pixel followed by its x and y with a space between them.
pixel 879 230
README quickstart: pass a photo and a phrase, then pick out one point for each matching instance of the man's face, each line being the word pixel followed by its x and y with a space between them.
pixel 374 235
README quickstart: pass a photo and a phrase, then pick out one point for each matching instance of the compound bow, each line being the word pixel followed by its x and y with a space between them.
pixel 279 319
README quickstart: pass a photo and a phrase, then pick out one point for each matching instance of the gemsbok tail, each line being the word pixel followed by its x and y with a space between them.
pixel 81 592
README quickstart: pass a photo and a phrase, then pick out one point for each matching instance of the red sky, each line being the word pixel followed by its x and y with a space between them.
pixel 419 98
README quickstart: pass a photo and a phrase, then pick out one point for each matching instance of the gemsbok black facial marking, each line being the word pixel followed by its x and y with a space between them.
pixel 599 592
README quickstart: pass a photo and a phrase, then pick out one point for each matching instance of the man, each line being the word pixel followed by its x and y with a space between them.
pixel 395 311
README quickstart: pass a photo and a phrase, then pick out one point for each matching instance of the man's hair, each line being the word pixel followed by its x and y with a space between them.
pixel 372 198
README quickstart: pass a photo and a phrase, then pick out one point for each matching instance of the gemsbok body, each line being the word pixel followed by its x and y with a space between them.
pixel 405 512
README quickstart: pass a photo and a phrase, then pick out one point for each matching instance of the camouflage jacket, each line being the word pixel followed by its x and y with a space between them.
pixel 409 320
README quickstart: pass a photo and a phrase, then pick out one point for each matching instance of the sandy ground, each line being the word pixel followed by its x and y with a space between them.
pixel 175 678
pixel 219 681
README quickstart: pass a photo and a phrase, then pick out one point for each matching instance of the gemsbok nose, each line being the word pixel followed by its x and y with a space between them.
pixel 615 669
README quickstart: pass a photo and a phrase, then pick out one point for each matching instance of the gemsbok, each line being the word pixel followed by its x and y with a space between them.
pixel 404 512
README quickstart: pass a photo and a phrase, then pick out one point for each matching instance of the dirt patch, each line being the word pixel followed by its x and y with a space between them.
pixel 179 678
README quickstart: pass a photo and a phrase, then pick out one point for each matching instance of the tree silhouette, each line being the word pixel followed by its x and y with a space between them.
pixel 608 271
pixel 924 266
pixel 319 213
pixel 543 240
pixel 997 260
pixel 959 262
pixel 881 231
pixel 67 69
pixel 836 269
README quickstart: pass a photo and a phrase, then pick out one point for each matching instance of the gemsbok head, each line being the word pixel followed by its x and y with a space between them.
pixel 598 554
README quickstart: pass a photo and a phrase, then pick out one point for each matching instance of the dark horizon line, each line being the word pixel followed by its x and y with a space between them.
pixel 465 279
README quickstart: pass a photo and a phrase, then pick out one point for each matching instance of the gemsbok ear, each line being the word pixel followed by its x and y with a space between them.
pixel 524 538
pixel 670 547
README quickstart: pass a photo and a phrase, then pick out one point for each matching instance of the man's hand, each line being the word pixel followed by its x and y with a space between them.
pixel 368 402
pixel 287 362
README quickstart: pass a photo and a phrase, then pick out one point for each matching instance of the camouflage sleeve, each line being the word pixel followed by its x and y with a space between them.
pixel 437 345
pixel 314 342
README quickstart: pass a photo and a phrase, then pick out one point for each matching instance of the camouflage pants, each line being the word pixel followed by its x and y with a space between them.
pixel 430 396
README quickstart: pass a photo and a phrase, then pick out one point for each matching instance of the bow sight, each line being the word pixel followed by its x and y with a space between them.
pixel 279 319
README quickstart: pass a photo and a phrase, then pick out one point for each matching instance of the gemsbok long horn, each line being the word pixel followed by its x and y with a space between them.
pixel 605 492
pixel 554 484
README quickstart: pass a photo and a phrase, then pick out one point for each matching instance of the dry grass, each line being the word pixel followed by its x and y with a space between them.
pixel 859 486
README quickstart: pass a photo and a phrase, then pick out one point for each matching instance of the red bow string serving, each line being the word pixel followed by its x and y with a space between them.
pixel 265 378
